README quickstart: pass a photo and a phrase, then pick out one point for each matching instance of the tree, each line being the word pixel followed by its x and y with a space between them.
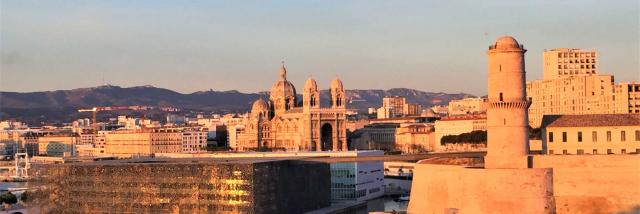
pixel 8 198
pixel 25 197
pixel 474 137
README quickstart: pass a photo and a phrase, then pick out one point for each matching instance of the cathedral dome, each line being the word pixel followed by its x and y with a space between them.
pixel 310 85
pixel 259 106
pixel 506 42
pixel 283 88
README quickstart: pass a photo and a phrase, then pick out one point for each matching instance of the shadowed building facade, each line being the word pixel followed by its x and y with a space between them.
pixel 284 123
pixel 203 185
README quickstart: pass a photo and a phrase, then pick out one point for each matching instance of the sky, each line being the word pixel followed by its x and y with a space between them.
pixel 190 46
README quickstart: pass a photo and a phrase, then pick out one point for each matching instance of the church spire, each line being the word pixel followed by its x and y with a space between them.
pixel 283 72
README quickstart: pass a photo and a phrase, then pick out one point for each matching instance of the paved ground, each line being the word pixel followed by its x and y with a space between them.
pixel 340 207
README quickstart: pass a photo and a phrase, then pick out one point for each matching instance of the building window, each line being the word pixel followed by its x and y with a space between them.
pixel 580 152
pixel 594 136
pixel 623 136
pixel 564 152
pixel 579 136
pixel 637 135
pixel 595 152
pixel 551 152
pixel 608 136
pixel 609 151
pixel 500 97
pixel 623 151
pixel 564 136
pixel 551 136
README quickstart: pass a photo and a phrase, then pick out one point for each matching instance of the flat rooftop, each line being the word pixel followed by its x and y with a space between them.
pixel 354 153
pixel 166 161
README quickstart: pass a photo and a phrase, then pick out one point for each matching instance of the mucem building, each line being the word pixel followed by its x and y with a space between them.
pixel 203 185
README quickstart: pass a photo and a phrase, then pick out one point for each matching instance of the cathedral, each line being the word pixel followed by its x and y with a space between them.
pixel 284 123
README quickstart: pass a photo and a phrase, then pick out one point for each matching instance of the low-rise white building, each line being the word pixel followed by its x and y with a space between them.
pixel 467 106
pixel 455 125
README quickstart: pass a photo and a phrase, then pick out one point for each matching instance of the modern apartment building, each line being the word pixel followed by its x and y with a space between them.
pixel 627 97
pixel 570 95
pixel 573 85
pixel 568 62
pixel 57 144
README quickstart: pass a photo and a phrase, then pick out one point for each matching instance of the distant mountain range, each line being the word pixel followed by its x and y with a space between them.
pixel 61 105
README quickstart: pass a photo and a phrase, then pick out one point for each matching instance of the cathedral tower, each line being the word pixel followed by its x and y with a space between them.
pixel 338 97
pixel 507 122
pixel 310 95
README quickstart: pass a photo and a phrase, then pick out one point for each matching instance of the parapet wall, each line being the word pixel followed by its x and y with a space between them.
pixel 455 189
pixel 594 183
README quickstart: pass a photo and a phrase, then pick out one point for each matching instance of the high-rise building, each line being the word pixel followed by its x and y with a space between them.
pixel 572 85
pixel 565 62
pixel 627 97
pixel 395 102
pixel 570 95
pixel 392 106
pixel 411 109
pixel 397 106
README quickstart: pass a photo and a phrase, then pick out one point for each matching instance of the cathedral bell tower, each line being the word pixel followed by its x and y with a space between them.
pixel 338 96
pixel 310 95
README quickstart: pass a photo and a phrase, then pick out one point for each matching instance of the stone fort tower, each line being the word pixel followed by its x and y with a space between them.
pixel 507 122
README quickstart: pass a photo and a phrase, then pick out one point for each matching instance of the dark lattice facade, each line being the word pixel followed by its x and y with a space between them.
pixel 184 186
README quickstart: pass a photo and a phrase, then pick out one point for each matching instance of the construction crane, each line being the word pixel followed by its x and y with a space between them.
pixel 95 110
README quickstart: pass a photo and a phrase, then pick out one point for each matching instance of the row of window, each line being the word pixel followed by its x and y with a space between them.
pixel 565 55
pixel 594 136
pixel 577 61
pixel 594 152
pixel 575 66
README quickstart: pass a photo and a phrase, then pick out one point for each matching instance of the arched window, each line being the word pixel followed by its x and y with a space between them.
pixel 501 97
pixel 313 101
pixel 286 104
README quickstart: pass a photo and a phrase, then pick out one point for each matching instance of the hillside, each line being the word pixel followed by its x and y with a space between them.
pixel 61 105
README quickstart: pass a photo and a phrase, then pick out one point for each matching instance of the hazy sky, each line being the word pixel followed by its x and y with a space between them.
pixel 190 46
